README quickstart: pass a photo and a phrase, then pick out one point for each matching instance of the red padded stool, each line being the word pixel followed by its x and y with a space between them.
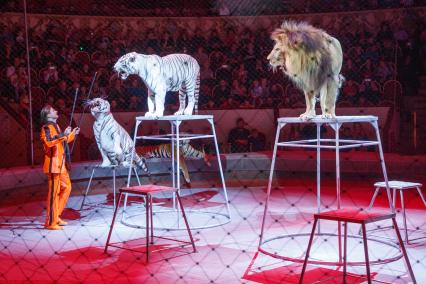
pixel 362 218
pixel 147 191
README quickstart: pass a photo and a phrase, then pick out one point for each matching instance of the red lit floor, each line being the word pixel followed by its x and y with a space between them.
pixel 226 254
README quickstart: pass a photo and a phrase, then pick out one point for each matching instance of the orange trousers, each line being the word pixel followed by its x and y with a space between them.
pixel 57 196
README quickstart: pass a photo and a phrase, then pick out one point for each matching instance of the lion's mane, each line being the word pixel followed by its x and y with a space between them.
pixel 309 56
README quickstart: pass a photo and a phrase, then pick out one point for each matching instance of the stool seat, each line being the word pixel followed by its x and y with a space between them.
pixel 359 217
pixel 354 216
pixel 147 189
pixel 401 186
pixel 398 184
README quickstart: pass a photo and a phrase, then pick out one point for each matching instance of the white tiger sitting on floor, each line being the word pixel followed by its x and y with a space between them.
pixel 113 141
pixel 174 72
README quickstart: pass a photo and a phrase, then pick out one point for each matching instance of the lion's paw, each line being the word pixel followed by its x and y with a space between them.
pixel 327 116
pixel 307 116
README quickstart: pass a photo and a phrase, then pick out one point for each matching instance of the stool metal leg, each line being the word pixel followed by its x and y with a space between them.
pixel 404 252
pixel 112 223
pixel 113 184
pixel 345 249
pixel 367 261
pixel 308 251
pixel 186 221
pixel 404 216
pixel 374 198
pixel 152 223
pixel 147 212
pixel 87 188
pixel 421 195
pixel 394 197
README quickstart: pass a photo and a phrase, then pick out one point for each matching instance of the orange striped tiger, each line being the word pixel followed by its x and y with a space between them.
pixel 165 151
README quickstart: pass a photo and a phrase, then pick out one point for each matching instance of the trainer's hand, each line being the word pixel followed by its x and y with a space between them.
pixel 67 130
pixel 76 130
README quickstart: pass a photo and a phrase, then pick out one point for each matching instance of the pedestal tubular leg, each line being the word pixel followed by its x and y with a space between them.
pixel 271 175
pixel 147 212
pixel 186 221
pixel 382 162
pixel 87 188
pixel 225 192
pixel 172 126
pixel 177 169
pixel 339 229
pixel 319 173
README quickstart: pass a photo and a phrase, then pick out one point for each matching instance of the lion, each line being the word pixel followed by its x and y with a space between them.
pixel 312 59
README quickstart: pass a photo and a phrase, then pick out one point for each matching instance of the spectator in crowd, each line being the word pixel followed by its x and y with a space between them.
pixel 383 71
pixel 276 92
pixel 369 90
pixel 358 132
pixel 50 75
pixel 246 104
pixel 221 92
pixel 256 92
pixel 239 137
pixel 24 106
pixel 257 140
pixel 229 103
pixel 350 91
pixel 237 90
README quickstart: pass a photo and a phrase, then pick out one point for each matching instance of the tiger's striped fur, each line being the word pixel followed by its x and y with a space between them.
pixel 165 151
pixel 113 141
pixel 174 72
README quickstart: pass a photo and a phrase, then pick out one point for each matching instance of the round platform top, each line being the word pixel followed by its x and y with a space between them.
pixel 175 117
pixel 337 119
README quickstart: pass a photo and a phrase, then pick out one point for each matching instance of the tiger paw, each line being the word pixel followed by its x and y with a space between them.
pixel 179 112
pixel 149 114
pixel 187 112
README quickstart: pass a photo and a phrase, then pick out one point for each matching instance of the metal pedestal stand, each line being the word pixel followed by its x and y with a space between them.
pixel 176 137
pixel 114 171
pixel 318 144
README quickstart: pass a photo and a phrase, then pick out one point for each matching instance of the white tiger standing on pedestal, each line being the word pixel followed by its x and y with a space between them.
pixel 174 72
pixel 113 141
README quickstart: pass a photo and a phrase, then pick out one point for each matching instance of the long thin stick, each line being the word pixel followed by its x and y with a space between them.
pixel 84 108
pixel 73 105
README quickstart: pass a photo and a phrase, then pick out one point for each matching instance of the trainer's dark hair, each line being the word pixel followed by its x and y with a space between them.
pixel 44 112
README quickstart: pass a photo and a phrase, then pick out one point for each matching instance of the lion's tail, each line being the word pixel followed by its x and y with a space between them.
pixel 341 80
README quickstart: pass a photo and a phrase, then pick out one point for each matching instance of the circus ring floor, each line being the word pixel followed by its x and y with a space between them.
pixel 226 254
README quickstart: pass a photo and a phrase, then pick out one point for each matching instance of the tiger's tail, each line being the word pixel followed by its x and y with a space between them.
pixel 141 163
pixel 196 93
